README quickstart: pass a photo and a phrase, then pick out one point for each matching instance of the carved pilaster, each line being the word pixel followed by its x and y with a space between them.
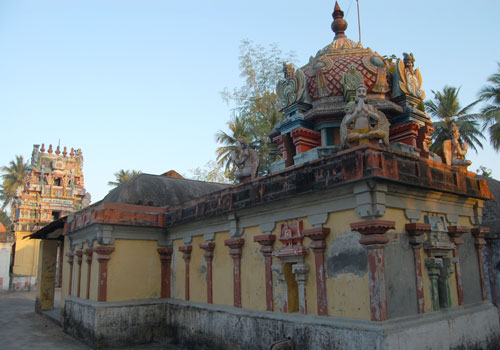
pixel 301 272
pixel 79 255
pixel 455 233
pixel 479 234
pixel 186 250
pixel 103 257
pixel 434 266
pixel 417 238
pixel 89 252
pixel 209 256
pixel 235 245
pixel 373 239
pixel 166 270
pixel 318 246
pixel 266 242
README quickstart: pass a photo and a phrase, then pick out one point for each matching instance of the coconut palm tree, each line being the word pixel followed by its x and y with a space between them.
pixel 239 128
pixel 13 177
pixel 445 107
pixel 123 176
pixel 491 111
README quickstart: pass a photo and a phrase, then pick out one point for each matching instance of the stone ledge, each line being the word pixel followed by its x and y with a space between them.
pixel 225 327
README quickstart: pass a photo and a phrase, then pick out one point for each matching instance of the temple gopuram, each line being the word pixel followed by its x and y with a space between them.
pixel 53 188
pixel 359 238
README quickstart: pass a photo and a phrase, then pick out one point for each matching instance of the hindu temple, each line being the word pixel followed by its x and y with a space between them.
pixel 359 238
pixel 53 188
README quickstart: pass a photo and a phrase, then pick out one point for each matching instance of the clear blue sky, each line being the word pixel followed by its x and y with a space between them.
pixel 135 84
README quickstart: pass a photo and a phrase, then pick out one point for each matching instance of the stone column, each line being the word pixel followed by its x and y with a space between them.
pixel 89 252
pixel 235 245
pixel 455 232
pixel 79 255
pixel 479 233
pixel 47 261
pixel 209 256
pixel 301 272
pixel 166 260
pixel 374 241
pixel 417 238
pixel 434 266
pixel 318 245
pixel 70 256
pixel 186 250
pixel 266 242
pixel 103 257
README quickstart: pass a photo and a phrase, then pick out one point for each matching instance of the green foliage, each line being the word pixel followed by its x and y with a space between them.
pixel 255 106
pixel 123 176
pixel 490 94
pixel 210 172
pixel 445 107
pixel 13 177
pixel 484 171
pixel 4 219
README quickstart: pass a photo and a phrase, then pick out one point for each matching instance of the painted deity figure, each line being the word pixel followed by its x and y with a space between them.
pixel 453 152
pixel 363 123
pixel 246 161
pixel 407 79
pixel 350 82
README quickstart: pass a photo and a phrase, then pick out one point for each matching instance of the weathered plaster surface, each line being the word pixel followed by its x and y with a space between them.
pixel 221 327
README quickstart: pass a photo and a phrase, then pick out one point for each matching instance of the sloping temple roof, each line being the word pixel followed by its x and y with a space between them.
pixel 160 191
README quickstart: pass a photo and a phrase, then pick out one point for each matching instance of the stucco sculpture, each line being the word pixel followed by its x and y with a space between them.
pixel 453 153
pixel 246 161
pixel 357 128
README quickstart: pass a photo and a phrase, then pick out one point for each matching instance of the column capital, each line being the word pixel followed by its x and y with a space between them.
pixel 373 232
pixel 235 245
pixel 266 241
pixel 417 229
pixel 209 250
pixel 103 252
pixel 186 250
pixel 318 237
pixel 165 254
pixel 71 257
pixel 89 252
pixel 79 255
pixel 479 234
pixel 455 232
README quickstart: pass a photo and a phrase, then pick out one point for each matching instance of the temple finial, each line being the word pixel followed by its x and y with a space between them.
pixel 339 24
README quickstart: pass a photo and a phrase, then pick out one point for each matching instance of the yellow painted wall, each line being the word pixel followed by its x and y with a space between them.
pixel 26 255
pixel 197 272
pixel 178 270
pixel 134 270
pixel 253 277
pixel 348 294
pixel 222 271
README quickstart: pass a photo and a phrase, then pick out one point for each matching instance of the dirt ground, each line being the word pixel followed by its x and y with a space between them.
pixel 22 328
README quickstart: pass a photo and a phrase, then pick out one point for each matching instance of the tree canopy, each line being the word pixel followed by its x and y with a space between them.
pixel 13 177
pixel 490 94
pixel 445 107
pixel 122 176
pixel 255 107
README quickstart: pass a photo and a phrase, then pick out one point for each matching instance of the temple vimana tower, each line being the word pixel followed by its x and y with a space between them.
pixel 53 188
pixel 360 237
